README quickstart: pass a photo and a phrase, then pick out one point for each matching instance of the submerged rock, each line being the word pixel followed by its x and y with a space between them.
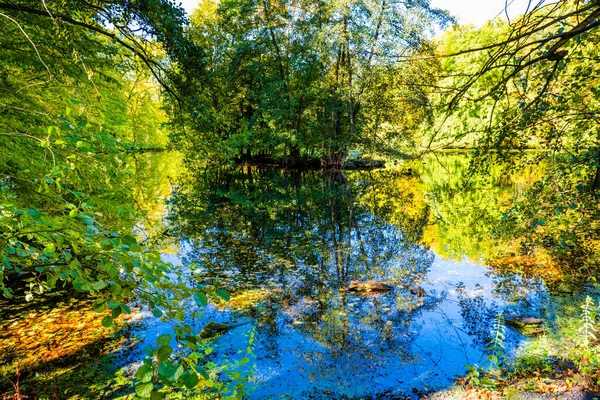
pixel 365 287
pixel 213 329
pixel 417 291
pixel 521 320
pixel 526 325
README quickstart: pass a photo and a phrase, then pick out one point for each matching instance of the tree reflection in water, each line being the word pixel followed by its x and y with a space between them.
pixel 286 244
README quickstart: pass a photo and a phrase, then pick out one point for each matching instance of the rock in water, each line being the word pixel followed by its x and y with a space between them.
pixel 365 287
pixel 521 321
pixel 417 291
pixel 529 326
pixel 213 329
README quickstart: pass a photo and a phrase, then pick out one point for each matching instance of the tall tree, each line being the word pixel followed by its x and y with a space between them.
pixel 296 78
pixel 75 77
pixel 533 83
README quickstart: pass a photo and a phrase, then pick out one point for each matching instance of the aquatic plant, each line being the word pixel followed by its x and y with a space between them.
pixel 587 329
pixel 496 346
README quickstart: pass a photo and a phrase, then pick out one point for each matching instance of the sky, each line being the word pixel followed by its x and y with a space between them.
pixel 477 12
pixel 474 12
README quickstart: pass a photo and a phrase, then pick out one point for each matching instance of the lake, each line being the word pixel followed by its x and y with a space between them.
pixel 287 244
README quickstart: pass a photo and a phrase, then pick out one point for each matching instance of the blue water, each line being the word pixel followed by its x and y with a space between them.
pixel 300 244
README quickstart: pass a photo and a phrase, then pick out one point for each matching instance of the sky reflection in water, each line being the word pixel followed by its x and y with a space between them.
pixel 287 244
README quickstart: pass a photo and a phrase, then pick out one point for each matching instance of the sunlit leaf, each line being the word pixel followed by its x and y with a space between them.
pixel 144 373
pixel 143 389
pixel 99 285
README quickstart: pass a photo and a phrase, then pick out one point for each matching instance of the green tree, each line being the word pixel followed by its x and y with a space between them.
pixel 78 89
pixel 291 79
pixel 533 83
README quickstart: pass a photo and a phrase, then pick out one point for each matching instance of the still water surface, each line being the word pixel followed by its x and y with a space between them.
pixel 287 244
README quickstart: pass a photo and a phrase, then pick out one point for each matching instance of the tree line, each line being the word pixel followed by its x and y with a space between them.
pixel 82 82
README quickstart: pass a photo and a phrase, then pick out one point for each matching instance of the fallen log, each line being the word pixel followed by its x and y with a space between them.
pixel 366 287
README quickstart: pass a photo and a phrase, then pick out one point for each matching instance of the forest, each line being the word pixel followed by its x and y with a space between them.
pixel 131 131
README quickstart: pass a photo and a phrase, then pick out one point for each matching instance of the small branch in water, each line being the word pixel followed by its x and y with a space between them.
pixel 438 217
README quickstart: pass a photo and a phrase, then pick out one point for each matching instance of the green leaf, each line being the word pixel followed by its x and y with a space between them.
pixel 164 339
pixel 116 312
pixel 99 306
pixel 157 313
pixel 143 389
pixel 190 379
pixel 200 299
pixel 128 240
pixel 157 395
pixel 176 372
pixel 99 285
pixel 223 294
pixel 107 321
pixel 35 214
pixel 144 373
pixel 163 368
pixel 115 289
pixel 164 352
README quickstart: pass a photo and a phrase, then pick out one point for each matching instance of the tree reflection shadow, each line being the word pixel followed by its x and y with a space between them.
pixel 293 241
